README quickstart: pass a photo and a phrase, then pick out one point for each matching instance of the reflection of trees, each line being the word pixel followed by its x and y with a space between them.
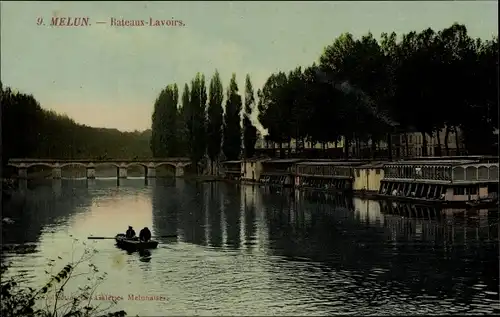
pixel 248 209
pixel 165 202
pixel 191 214
pixel 441 257
pixel 231 195
pixel 40 204
pixel 214 214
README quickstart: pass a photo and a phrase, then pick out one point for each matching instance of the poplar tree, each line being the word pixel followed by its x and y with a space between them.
pixel 232 122
pixel 164 135
pixel 215 119
pixel 197 118
pixel 249 130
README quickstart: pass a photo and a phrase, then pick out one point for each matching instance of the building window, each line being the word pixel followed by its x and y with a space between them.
pixel 377 171
pixel 357 173
pixel 458 191
pixel 472 190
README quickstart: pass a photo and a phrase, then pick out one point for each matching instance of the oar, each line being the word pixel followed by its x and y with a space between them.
pixel 106 238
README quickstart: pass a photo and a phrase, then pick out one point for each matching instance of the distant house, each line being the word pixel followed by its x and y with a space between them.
pixel 416 145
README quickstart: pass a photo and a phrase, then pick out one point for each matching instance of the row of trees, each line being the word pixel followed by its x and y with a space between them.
pixel 363 90
pixel 197 125
pixel 28 131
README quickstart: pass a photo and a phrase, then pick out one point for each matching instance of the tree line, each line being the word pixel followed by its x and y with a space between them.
pixel 200 125
pixel 28 131
pixel 364 90
pixel 360 91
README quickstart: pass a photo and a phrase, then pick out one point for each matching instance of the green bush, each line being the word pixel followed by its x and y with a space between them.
pixel 19 300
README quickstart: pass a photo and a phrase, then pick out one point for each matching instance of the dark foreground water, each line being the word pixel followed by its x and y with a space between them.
pixel 246 251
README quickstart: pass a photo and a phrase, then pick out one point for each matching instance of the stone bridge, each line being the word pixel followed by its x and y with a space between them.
pixel 122 165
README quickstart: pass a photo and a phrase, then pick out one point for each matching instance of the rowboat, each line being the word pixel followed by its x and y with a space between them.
pixel 134 244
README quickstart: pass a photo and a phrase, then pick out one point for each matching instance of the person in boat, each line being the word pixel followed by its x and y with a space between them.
pixel 130 233
pixel 145 234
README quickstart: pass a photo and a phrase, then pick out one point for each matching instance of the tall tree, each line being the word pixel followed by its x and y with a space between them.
pixel 249 130
pixel 197 117
pixel 274 111
pixel 164 140
pixel 215 119
pixel 158 144
pixel 232 122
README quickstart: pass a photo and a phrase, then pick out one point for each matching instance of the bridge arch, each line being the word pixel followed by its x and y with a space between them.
pixel 73 170
pixel 102 164
pixel 106 169
pixel 137 164
pixel 166 163
pixel 73 164
pixel 136 169
pixel 165 169
pixel 41 164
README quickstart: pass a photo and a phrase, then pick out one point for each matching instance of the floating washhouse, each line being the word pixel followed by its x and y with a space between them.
pixel 327 175
pixel 448 181
pixel 252 169
pixel 278 172
pixel 368 177
pixel 232 170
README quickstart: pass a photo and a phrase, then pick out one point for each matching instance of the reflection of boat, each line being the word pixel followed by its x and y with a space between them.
pixel 483 203
pixel 134 244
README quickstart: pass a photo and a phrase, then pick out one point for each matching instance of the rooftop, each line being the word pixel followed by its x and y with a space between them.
pixel 432 162
pixel 231 162
pixel 257 159
pixel 332 163
pixel 285 160
pixel 373 165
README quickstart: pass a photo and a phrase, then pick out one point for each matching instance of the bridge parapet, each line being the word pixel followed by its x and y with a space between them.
pixel 150 165
pixel 111 160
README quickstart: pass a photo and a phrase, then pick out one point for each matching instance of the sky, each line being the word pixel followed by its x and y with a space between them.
pixel 109 76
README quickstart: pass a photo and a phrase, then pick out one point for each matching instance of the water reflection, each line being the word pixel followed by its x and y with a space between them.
pixel 165 207
pixel 250 250
pixel 145 256
pixel 38 204
pixel 413 255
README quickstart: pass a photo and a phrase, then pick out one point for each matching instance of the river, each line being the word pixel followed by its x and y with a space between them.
pixel 244 250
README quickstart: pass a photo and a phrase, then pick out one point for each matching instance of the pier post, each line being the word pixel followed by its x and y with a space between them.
pixel 56 173
pixel 57 187
pixel 122 172
pixel 23 173
pixel 179 171
pixel 90 172
pixel 151 172
pixel 23 185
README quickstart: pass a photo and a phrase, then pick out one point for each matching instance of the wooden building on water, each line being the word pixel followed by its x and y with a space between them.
pixel 232 170
pixel 446 181
pixel 326 175
pixel 368 177
pixel 278 172
pixel 252 169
